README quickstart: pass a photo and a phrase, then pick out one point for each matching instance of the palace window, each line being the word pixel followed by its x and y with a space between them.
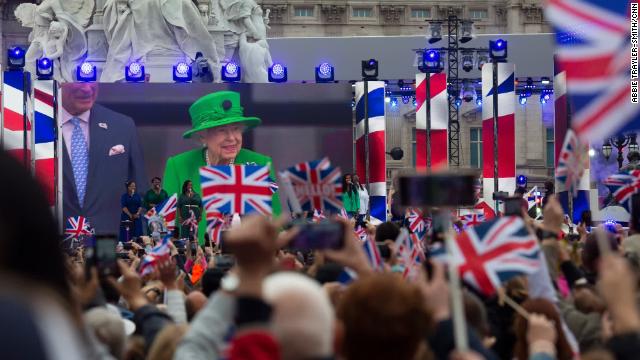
pixel 303 12
pixel 475 150
pixel 362 12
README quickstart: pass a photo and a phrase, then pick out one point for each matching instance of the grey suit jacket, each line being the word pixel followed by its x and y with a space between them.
pixel 107 174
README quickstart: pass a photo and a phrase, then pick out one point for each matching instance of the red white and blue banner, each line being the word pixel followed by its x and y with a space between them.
pixel 44 135
pixel 316 185
pixel 377 147
pixel 506 130
pixel 564 160
pixel 16 128
pixel 439 121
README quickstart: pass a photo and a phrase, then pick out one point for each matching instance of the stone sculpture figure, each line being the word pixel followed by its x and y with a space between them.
pixel 144 28
pixel 54 47
pixel 75 15
pixel 246 17
pixel 255 60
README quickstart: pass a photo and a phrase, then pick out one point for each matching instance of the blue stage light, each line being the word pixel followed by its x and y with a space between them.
pixel 523 99
pixel 182 72
pixel 458 102
pixel 498 50
pixel 134 72
pixel 369 69
pixel 324 73
pixel 479 101
pixel 44 69
pixel 394 102
pixel 231 72
pixel 86 72
pixel 278 73
pixel 430 62
pixel 15 58
pixel 521 181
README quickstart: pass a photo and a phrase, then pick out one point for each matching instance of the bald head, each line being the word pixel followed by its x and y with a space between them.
pixel 194 302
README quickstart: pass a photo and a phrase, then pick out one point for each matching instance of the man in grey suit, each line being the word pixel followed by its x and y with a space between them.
pixel 101 153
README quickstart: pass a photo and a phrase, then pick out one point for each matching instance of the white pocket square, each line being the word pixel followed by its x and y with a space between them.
pixel 116 150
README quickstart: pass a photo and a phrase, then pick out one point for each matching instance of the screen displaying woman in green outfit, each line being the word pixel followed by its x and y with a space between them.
pixel 218 123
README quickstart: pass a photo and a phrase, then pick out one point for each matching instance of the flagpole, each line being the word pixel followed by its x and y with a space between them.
pixel 495 132
pixel 428 125
pixel 365 96
pixel 457 307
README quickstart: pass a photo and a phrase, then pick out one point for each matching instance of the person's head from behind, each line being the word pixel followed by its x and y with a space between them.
pixel 78 97
pixel 387 231
pixel 155 183
pixel 303 319
pixel 187 187
pixel 29 242
pixel 108 329
pixel 549 187
pixel 541 307
pixel 591 251
pixel 519 192
pixel 194 302
pixel 381 317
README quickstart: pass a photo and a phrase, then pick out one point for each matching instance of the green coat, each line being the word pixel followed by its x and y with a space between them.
pixel 186 166
pixel 351 201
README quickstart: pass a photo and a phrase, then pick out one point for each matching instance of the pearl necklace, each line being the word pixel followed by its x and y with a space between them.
pixel 206 157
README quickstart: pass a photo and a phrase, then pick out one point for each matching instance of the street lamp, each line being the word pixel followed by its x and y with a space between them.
pixel 620 142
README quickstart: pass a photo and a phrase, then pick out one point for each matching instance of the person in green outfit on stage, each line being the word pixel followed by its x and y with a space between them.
pixel 350 197
pixel 156 195
pixel 218 122
pixel 188 202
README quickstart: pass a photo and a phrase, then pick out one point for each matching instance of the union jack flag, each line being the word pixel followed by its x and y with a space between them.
pixel 493 252
pixel 623 185
pixel 318 216
pixel 317 185
pixel 410 252
pixel 343 214
pixel 215 223
pixel 593 47
pixel 167 210
pixel 158 253
pixel 571 162
pixel 416 221
pixel 373 255
pixel 361 233
pixel 241 189
pixel 473 219
pixel 76 227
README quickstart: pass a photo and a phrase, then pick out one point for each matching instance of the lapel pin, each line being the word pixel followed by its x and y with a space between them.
pixel 103 125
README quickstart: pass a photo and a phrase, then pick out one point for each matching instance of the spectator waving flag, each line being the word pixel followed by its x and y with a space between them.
pixel 318 216
pixel 571 162
pixel 623 185
pixel 415 220
pixel 476 217
pixel 361 233
pixel 343 214
pixel 317 185
pixel 410 253
pixel 373 255
pixel 160 252
pixel 215 223
pixel 167 210
pixel 593 48
pixel 76 227
pixel 493 252
pixel 241 189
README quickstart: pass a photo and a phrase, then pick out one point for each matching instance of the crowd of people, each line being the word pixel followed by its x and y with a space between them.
pixel 262 300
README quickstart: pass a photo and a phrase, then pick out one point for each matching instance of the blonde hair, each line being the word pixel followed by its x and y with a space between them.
pixel 166 342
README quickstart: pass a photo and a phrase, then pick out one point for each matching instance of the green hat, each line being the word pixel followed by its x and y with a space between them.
pixel 218 109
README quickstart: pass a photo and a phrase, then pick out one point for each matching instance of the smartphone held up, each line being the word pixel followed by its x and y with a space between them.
pixel 438 190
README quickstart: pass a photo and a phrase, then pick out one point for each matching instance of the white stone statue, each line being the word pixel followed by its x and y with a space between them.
pixel 255 60
pixel 246 17
pixel 54 47
pixel 136 30
pixel 75 15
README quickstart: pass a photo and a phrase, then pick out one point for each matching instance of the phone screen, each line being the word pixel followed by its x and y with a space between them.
pixel 513 206
pixel 105 255
pixel 329 235
pixel 437 190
